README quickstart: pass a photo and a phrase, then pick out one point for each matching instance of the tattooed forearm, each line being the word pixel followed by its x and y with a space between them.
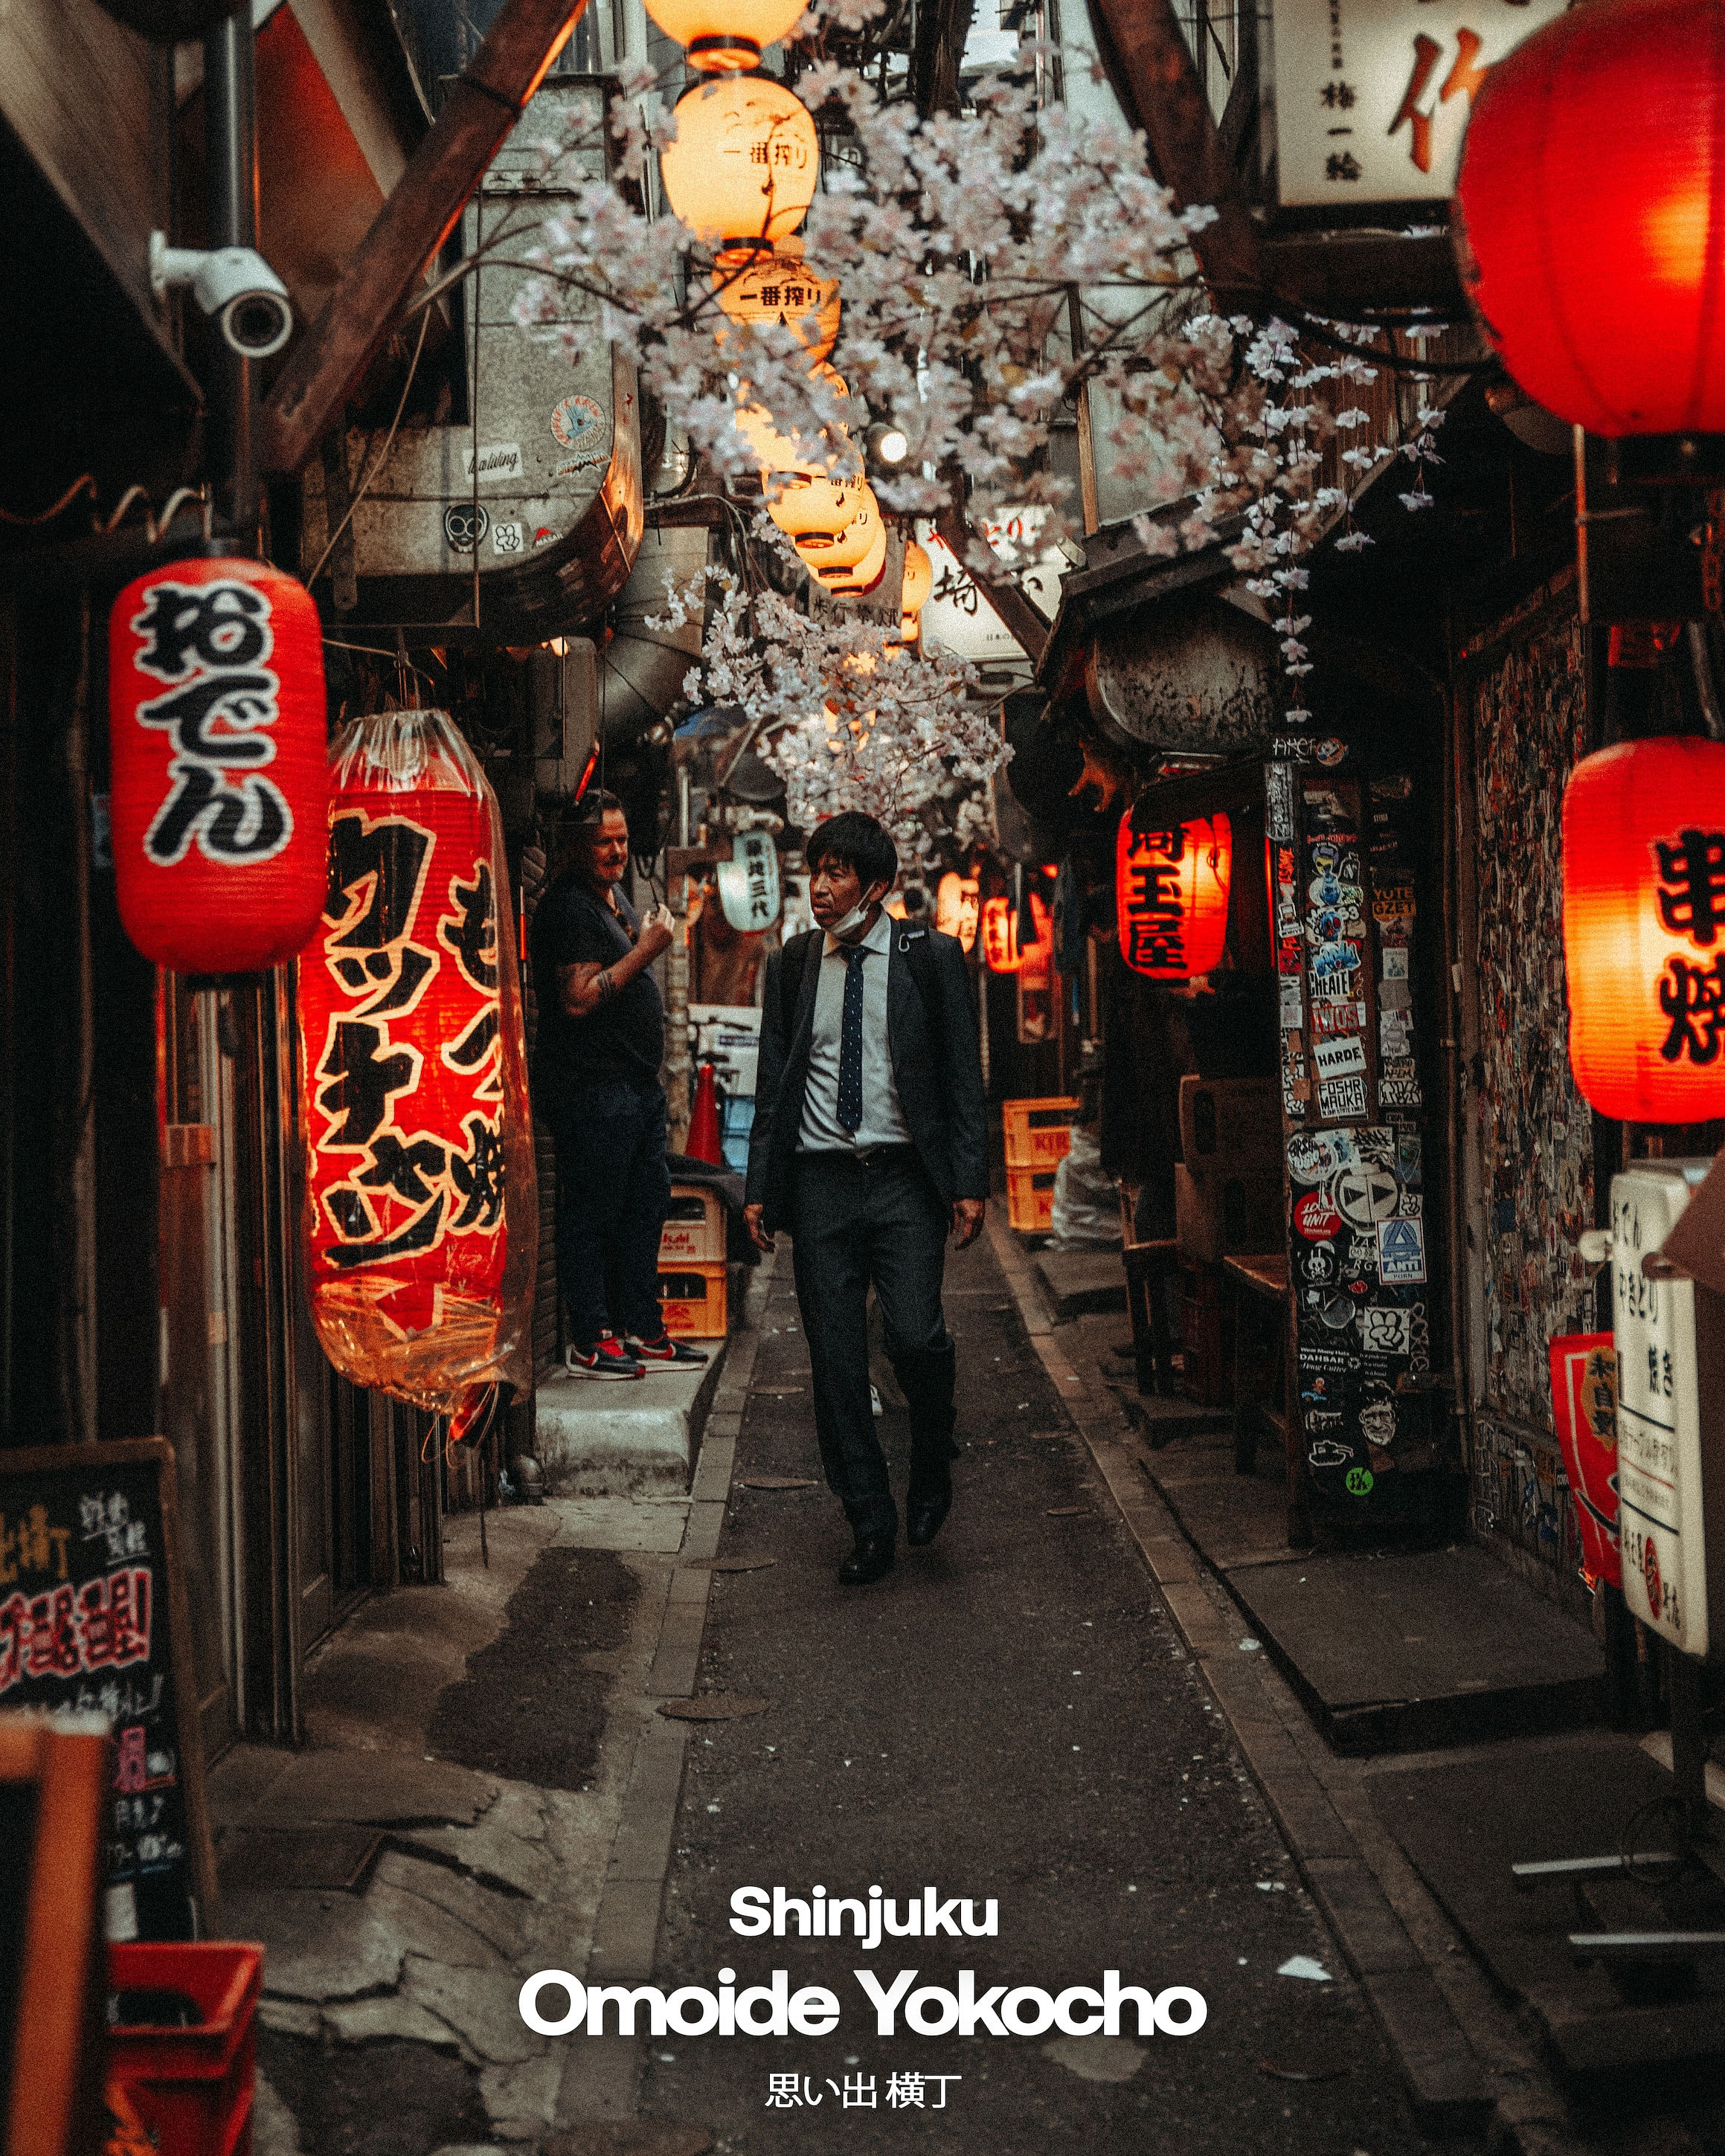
pixel 604 987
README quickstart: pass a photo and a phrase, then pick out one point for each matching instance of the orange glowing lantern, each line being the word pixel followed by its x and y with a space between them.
pixel 919 580
pixel 1001 951
pixel 745 163
pixel 216 728
pixel 1590 220
pixel 844 547
pixel 779 289
pixel 809 507
pixel 1171 893
pixel 421 1213
pixel 956 907
pixel 864 577
pixel 722 37
pixel 1643 928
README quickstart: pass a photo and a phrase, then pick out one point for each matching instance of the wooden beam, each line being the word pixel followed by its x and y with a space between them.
pixel 1338 272
pixel 1148 56
pixel 485 101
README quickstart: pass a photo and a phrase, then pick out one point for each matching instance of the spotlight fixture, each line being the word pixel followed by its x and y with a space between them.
pixel 888 446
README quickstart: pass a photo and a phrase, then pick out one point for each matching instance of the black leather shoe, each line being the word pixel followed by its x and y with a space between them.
pixel 870 1560
pixel 925 1517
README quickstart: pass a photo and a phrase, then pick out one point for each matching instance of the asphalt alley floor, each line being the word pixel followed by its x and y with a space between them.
pixel 1010 1715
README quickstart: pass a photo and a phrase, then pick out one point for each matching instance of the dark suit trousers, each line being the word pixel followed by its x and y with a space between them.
pixel 855 1223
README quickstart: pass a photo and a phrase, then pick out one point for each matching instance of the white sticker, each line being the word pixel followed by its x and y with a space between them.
pixel 506 539
pixel 497 461
pixel 1341 1100
pixel 1393 1041
pixel 1364 1193
pixel 1401 1253
pixel 1386 1331
pixel 1396 995
pixel 1395 964
pixel 1293 1009
pixel 1315 1155
pixel 1339 1056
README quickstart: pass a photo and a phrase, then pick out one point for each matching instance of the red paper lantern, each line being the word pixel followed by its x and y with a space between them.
pixel 1643 928
pixel 1591 215
pixel 1171 893
pixel 421 1211
pixel 1001 951
pixel 220 772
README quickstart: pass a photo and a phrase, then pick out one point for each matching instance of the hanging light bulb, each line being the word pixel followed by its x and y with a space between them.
pixel 779 289
pixel 722 37
pixel 745 163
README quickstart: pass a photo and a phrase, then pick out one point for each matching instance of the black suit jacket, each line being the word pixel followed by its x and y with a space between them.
pixel 936 1066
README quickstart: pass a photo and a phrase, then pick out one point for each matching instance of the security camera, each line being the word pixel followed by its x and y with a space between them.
pixel 235 285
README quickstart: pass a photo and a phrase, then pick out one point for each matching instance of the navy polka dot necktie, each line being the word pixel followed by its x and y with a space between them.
pixel 850 1040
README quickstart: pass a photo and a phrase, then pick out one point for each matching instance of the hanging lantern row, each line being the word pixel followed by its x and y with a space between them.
pixel 1590 223
pixel 220 785
pixel 745 164
pixel 1171 886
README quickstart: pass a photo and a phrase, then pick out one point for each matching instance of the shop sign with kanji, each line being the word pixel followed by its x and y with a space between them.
pixel 1373 96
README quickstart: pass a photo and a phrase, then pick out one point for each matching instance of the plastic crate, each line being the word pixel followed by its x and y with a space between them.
pixel 693 1232
pixel 1029 1198
pixel 1039 1133
pixel 693 1298
pixel 192 2087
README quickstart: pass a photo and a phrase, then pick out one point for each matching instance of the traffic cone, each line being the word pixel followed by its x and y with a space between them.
pixel 704 1121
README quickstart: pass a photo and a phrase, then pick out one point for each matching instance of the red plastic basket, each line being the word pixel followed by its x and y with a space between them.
pixel 193 2086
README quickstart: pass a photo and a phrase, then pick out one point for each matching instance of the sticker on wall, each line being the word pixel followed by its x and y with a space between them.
pixel 1315 1218
pixel 496 461
pixel 1293 1002
pixel 465 523
pixel 1341 1100
pixel 1315 1155
pixel 1401 1252
pixel 579 424
pixel 1338 1056
pixel 1395 964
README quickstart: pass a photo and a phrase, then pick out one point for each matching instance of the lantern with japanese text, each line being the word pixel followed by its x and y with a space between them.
pixel 919 580
pixel 421 1209
pixel 1001 950
pixel 780 290
pixel 1171 893
pixel 865 574
pixel 1643 928
pixel 956 907
pixel 1590 223
pixel 745 163
pixel 216 724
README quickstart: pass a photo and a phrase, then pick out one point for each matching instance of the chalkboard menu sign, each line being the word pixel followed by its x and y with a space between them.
pixel 93 1620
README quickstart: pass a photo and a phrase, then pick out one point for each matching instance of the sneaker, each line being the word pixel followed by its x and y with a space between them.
pixel 610 1359
pixel 664 1353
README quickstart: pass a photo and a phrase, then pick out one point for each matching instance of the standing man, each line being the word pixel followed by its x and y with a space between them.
pixel 868 1145
pixel 596 1061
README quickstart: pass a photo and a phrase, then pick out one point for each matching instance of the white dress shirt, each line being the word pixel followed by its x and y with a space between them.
pixel 883 1121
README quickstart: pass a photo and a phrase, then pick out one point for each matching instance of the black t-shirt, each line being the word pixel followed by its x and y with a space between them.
pixel 623 1038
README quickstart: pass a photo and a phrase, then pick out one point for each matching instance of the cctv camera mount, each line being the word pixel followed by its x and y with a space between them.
pixel 234 284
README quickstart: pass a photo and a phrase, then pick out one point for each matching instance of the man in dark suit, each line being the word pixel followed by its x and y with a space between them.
pixel 868 1145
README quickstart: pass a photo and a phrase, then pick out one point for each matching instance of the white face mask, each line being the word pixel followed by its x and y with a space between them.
pixel 851 922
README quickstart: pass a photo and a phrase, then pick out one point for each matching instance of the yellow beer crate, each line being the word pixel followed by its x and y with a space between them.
pixel 693 1298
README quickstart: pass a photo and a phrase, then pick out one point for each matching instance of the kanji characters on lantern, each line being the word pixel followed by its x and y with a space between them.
pixel 421 1212
pixel 216 730
pixel 1171 893
pixel 1643 928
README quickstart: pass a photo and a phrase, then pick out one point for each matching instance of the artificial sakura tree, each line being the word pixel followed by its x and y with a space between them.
pixel 994 264
pixel 848 714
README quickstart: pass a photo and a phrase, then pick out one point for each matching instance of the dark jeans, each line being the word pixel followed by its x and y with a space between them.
pixel 614 1192
pixel 856 1223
